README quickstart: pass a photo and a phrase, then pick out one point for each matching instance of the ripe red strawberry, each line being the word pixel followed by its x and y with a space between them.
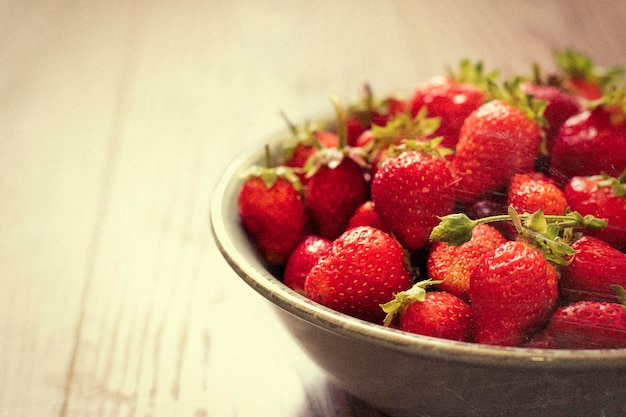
pixel 453 265
pixel 302 259
pixel 605 198
pixel 589 325
pixel 582 77
pixel 366 113
pixel 272 212
pixel 299 152
pixel 595 268
pixel 560 106
pixel 591 142
pixel 513 292
pixel 364 268
pixel 335 185
pixel 496 141
pixel 433 313
pixel 530 192
pixel 333 194
pixel 409 192
pixel 449 100
pixel 366 215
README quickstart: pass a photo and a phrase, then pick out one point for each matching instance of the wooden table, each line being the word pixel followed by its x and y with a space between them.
pixel 116 120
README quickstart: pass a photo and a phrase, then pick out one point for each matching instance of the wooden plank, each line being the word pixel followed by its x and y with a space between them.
pixel 54 153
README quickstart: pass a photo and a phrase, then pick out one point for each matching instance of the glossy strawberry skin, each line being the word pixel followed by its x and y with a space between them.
pixel 449 100
pixel 409 192
pixel 589 325
pixel 275 218
pixel 560 106
pixel 496 141
pixel 513 292
pixel 528 193
pixel 441 315
pixel 364 268
pixel 454 265
pixel 596 266
pixel 333 194
pixel 302 260
pixel 586 195
pixel 366 215
pixel 303 151
pixel 589 144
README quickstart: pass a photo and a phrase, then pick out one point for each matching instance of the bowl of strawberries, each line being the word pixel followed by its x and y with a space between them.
pixel 456 252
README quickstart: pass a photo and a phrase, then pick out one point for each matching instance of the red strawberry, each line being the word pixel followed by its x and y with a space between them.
pixel 453 265
pixel 366 113
pixel 364 268
pixel 603 197
pixel 409 192
pixel 513 292
pixel 582 77
pixel 366 215
pixel 496 141
pixel 272 212
pixel 591 142
pixel 449 100
pixel 595 268
pixel 302 259
pixel 335 185
pixel 528 193
pixel 304 142
pixel 433 313
pixel 589 325
pixel 560 106
pixel 333 194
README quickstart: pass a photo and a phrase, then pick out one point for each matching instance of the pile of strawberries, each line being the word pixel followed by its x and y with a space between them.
pixel 477 209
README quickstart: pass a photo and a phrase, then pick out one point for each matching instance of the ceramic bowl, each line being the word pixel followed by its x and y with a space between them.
pixel 408 375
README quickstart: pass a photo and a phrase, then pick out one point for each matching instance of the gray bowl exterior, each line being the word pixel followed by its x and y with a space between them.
pixel 410 375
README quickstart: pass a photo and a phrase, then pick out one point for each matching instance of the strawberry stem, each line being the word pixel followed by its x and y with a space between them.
pixel 342 128
pixel 456 228
pixel 402 299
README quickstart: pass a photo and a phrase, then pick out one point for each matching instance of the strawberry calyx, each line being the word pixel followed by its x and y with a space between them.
pixel 269 173
pixel 511 92
pixel 617 184
pixel 304 134
pixel 614 103
pixel 401 127
pixel 366 106
pixel 549 233
pixel 426 147
pixel 577 66
pixel 332 157
pixel 474 74
pixel 620 294
pixel 402 300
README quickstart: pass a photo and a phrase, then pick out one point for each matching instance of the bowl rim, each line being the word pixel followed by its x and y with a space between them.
pixel 252 270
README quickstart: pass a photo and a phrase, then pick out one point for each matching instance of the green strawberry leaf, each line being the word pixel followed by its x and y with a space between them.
pixel 511 93
pixel 455 229
pixel 579 66
pixel 473 73
pixel 269 174
pixel 620 294
pixel 417 293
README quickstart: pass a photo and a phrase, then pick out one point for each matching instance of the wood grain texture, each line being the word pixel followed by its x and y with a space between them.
pixel 117 119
